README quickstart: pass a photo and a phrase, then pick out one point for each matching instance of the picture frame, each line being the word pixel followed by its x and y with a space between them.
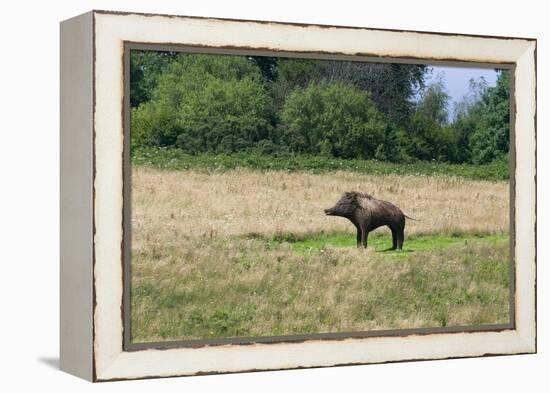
pixel 94 271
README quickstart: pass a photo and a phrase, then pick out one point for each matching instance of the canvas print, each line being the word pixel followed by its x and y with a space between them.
pixel 282 196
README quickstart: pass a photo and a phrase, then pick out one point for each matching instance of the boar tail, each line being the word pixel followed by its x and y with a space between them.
pixel 410 218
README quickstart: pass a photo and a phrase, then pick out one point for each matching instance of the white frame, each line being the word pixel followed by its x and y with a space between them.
pixel 92 232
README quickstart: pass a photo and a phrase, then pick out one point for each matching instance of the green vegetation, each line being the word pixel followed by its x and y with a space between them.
pixel 379 241
pixel 333 120
pixel 176 159
pixel 220 104
pixel 205 103
pixel 222 253
pixel 260 287
pixel 483 121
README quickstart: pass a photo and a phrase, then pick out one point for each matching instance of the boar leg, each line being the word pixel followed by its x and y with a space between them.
pixel 394 237
pixel 364 237
pixel 358 237
pixel 401 233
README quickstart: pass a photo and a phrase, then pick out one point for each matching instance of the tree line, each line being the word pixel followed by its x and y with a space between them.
pixel 203 103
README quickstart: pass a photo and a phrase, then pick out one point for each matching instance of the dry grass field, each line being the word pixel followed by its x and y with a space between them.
pixel 251 253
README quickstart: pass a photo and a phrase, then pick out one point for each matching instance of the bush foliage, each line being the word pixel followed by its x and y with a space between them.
pixel 220 104
pixel 332 119
pixel 205 103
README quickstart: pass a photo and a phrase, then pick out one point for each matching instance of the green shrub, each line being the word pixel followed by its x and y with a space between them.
pixel 332 119
pixel 205 103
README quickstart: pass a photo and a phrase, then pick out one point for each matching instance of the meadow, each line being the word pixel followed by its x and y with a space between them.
pixel 243 252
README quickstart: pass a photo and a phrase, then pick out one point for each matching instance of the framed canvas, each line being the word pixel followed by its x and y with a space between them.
pixel 202 158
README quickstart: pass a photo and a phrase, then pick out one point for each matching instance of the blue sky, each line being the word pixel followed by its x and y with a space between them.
pixel 457 80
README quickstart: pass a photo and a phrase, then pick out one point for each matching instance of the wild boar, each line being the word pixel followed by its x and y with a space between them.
pixel 368 213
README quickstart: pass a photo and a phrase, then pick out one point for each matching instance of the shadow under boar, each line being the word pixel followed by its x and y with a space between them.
pixel 368 213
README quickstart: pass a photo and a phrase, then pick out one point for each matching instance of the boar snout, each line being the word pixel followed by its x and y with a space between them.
pixel 328 212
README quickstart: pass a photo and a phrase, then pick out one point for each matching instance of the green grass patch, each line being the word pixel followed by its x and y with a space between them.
pixel 176 159
pixel 315 242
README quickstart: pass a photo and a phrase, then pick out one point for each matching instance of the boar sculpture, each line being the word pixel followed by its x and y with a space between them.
pixel 368 213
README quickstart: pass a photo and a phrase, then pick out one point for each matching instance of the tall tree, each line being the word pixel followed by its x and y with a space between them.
pixel 491 138
pixel 434 103
pixel 145 69
pixel 468 115
pixel 393 87
pixel 429 135
pixel 292 74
